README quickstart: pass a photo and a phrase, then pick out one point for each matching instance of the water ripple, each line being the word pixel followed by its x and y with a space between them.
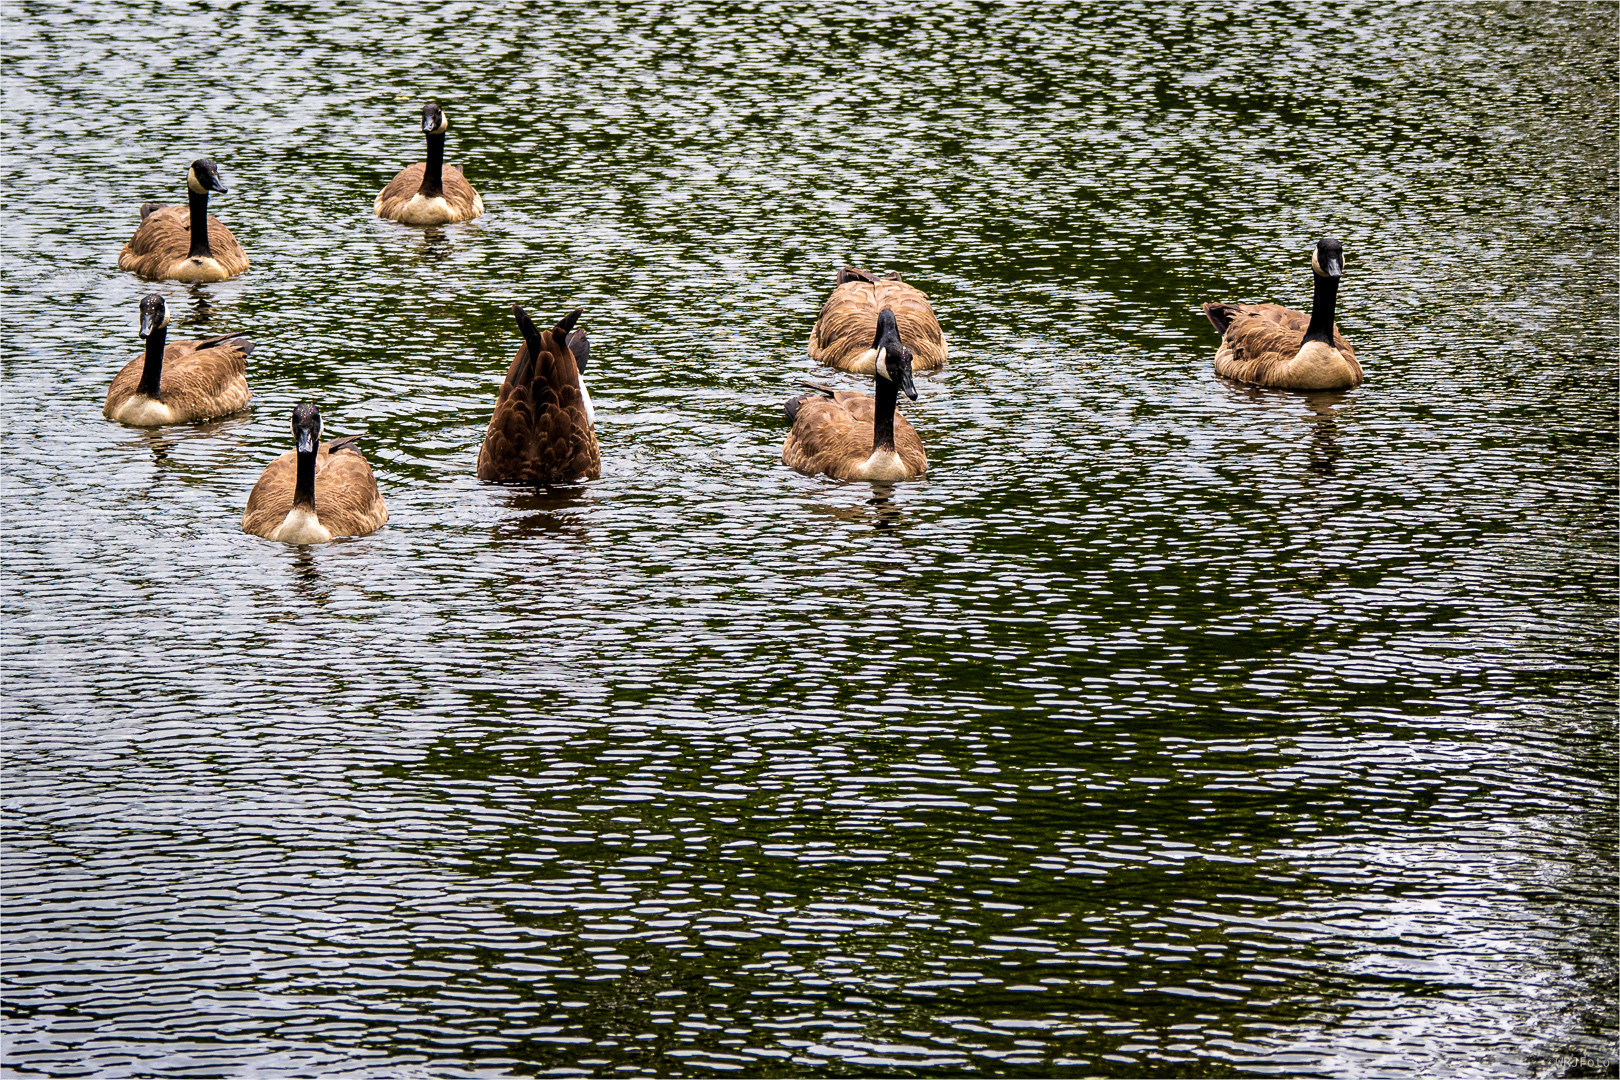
pixel 1168 727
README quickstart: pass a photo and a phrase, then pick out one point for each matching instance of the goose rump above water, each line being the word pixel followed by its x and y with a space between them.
pixel 543 430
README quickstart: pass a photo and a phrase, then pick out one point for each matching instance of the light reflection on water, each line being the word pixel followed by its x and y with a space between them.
pixel 1168 727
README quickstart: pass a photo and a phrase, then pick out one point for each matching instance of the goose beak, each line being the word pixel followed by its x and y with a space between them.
pixel 306 440
pixel 1332 268
pixel 907 387
pixel 148 324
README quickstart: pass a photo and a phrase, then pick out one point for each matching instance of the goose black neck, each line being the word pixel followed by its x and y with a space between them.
pixel 1323 298
pixel 883 416
pixel 199 225
pixel 152 373
pixel 304 489
pixel 433 176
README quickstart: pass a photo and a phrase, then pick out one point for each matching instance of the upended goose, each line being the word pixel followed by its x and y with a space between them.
pixel 543 430
pixel 852 436
pixel 178 382
pixel 185 243
pixel 315 493
pixel 429 193
pixel 844 326
pixel 1270 345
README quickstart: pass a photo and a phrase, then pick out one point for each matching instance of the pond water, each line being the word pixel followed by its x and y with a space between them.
pixel 1167 728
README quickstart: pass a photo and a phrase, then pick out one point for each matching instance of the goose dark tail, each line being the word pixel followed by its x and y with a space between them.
pixel 791 406
pixel 1220 316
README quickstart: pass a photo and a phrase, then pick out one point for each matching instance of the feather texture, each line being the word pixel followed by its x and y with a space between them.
pixel 347 502
pixel 842 337
pixel 1265 344
pixel 541 431
pixel 160 250
pixel 399 201
pixel 834 436
pixel 202 379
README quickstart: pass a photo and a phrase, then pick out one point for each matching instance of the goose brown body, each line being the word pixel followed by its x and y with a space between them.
pixel 1271 345
pixel 345 500
pixel 833 436
pixel 201 380
pixel 851 436
pixel 542 430
pixel 160 250
pixel 403 201
pixel 178 382
pixel 430 192
pixel 842 336
pixel 1265 344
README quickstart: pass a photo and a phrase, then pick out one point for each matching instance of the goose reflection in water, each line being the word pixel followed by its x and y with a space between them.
pixel 161 440
pixel 555 512
pixel 306 576
pixel 422 245
pixel 885 511
pixel 880 511
pixel 1323 417
pixel 435 245
pixel 202 306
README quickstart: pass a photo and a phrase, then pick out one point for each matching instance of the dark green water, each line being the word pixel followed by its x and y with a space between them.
pixel 1168 728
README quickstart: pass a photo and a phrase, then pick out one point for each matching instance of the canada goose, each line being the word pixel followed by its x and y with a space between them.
pixel 428 193
pixel 177 382
pixel 1270 345
pixel 544 429
pixel 839 336
pixel 854 437
pixel 183 243
pixel 287 504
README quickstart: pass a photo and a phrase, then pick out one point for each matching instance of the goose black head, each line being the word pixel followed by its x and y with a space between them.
pixel 434 122
pixel 1328 258
pixel 154 314
pixel 306 426
pixel 893 358
pixel 203 177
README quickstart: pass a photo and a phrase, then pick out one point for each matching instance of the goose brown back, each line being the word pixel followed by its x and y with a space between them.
pixel 842 336
pixel 541 431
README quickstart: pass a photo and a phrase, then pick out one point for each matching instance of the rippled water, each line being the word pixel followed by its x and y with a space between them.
pixel 1167 728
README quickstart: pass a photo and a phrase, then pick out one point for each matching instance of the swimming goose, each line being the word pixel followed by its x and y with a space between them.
pixel 428 193
pixel 839 336
pixel 314 493
pixel 1270 345
pixel 855 437
pixel 177 382
pixel 544 429
pixel 185 243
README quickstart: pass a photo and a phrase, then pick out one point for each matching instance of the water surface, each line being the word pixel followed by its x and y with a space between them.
pixel 1168 728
